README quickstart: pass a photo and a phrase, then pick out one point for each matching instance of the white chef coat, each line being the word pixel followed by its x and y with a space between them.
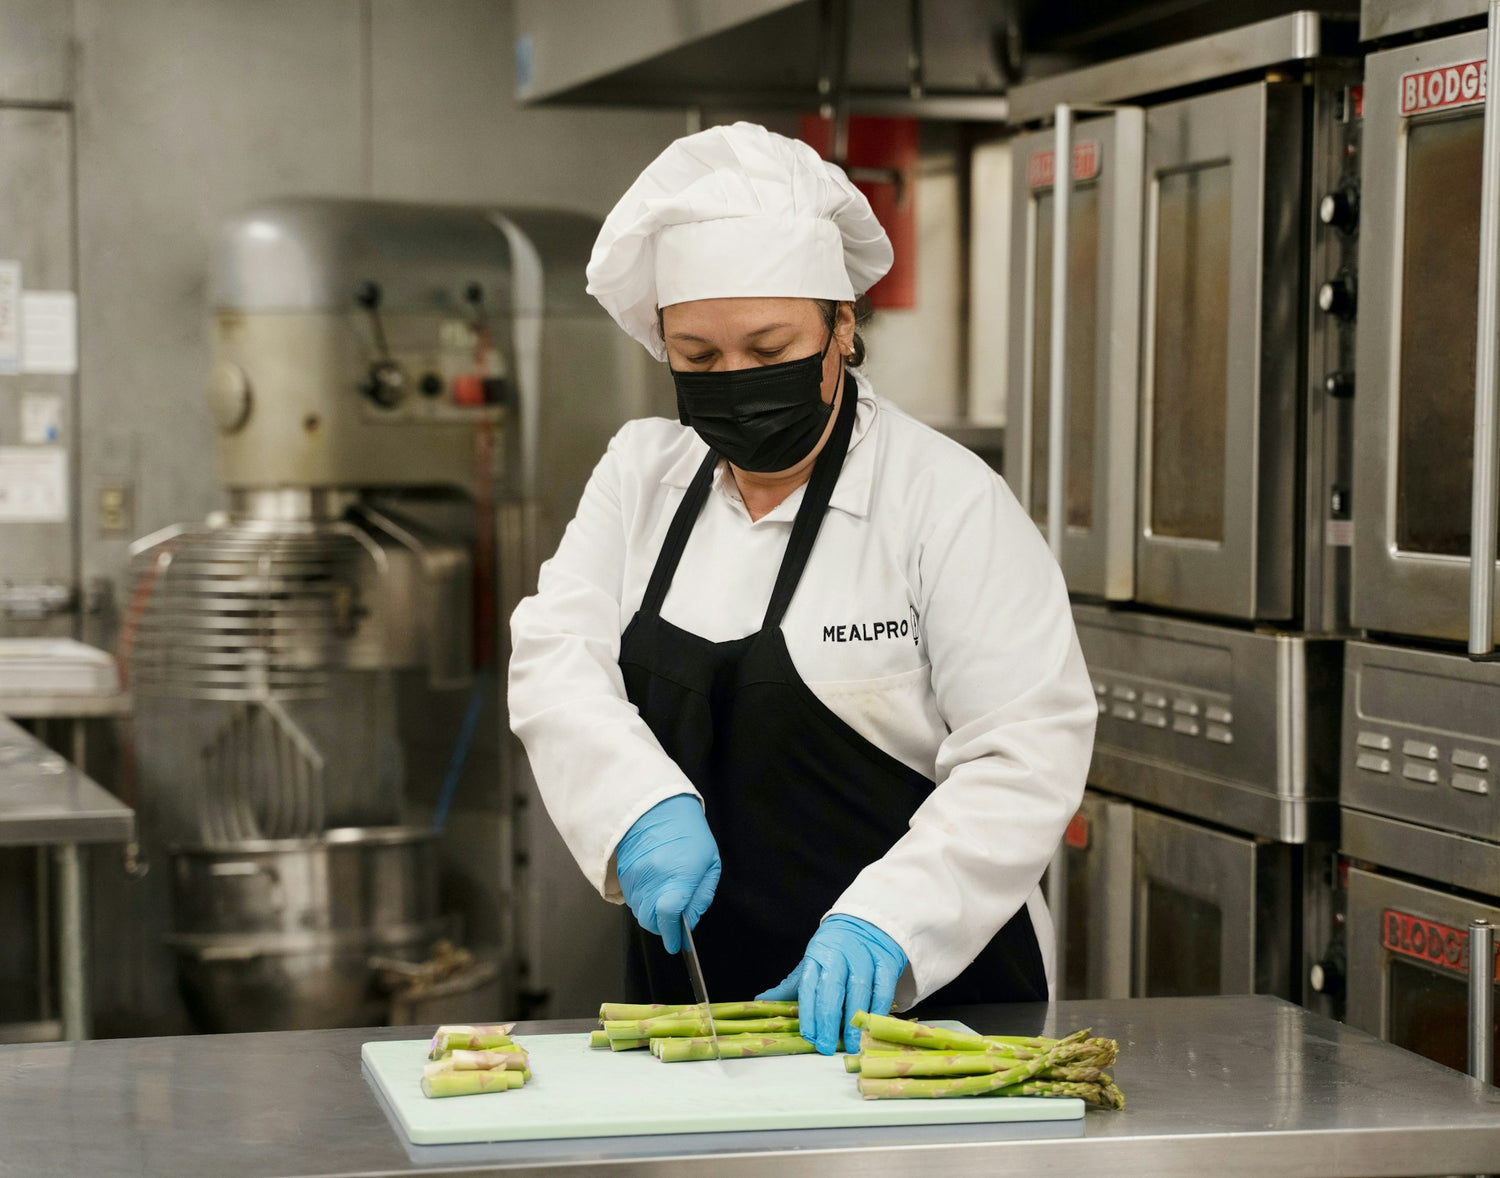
pixel 931 618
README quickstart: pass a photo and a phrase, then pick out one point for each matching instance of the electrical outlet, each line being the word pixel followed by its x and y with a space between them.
pixel 116 511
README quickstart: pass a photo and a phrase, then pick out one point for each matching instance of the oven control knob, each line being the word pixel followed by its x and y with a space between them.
pixel 1340 210
pixel 1336 296
pixel 1326 977
pixel 1339 384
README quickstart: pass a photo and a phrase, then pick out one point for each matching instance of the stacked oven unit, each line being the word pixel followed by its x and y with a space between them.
pixel 1206 338
pixel 1421 719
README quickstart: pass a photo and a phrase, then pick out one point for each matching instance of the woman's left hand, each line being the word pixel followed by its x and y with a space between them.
pixel 850 965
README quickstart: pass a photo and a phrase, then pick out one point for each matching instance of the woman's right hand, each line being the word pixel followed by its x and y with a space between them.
pixel 668 865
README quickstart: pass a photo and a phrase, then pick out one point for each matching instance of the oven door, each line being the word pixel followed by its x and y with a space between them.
pixel 1415 350
pixel 1220 376
pixel 1095 934
pixel 1409 964
pixel 1212 911
pixel 1102 331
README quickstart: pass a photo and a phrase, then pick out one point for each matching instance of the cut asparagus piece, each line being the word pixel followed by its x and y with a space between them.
pixel 682 1050
pixel 852 1063
pixel 470 1083
pixel 628 1044
pixel 477 1038
pixel 599 1040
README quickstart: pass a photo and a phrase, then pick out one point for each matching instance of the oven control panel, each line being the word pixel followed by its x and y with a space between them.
pixel 1184 711
pixel 1421 738
pixel 1237 727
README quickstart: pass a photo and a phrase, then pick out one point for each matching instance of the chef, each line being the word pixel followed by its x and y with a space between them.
pixel 801 668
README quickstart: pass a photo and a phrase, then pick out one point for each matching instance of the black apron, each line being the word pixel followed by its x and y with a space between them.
pixel 798 801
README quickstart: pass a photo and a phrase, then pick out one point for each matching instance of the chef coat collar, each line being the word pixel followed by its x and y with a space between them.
pixel 851 494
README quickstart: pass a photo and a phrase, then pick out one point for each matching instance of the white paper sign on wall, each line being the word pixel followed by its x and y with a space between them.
pixel 33 484
pixel 49 332
pixel 41 419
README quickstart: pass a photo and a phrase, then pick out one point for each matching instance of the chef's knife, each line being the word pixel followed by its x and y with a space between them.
pixel 700 991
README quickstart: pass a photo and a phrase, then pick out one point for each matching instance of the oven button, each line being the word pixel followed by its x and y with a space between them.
pixel 1340 210
pixel 1154 718
pixel 1219 734
pixel 1469 759
pixel 1420 748
pixel 1336 297
pixel 1470 784
pixel 1122 711
pixel 1103 707
pixel 1374 740
pixel 1185 725
pixel 1186 707
pixel 1101 687
pixel 1426 774
pixel 1219 715
pixel 1373 763
pixel 1125 693
pixel 1154 699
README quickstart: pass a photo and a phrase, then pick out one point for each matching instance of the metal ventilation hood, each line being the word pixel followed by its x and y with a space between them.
pixel 759 53
pixel 931 58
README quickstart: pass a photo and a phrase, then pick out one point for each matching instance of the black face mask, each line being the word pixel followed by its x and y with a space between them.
pixel 761 419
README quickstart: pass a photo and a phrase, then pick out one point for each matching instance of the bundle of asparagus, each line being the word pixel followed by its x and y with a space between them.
pixel 901 1059
pixel 678 1034
pixel 469 1060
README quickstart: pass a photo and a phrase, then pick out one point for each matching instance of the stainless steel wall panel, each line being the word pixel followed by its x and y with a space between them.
pixel 445 124
pixel 36 51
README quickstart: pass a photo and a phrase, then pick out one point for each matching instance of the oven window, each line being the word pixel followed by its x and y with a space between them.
pixel 1429 1013
pixel 1439 321
pixel 1082 348
pixel 1190 353
pixel 1184 935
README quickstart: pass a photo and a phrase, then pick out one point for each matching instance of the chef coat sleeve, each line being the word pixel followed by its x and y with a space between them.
pixel 1011 685
pixel 596 763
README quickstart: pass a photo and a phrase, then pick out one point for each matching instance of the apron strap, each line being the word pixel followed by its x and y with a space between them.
pixel 676 540
pixel 825 477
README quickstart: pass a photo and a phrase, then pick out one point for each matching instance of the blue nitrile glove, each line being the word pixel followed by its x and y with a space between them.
pixel 668 864
pixel 849 966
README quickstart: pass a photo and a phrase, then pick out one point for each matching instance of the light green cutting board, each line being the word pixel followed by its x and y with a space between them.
pixel 579 1092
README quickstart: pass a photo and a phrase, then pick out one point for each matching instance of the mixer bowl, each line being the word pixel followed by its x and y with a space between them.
pixel 276 934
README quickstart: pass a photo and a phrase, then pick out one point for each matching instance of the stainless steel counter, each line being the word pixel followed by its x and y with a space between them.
pixel 45 802
pixel 1229 1086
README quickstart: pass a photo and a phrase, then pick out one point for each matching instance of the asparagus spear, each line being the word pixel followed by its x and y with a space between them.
pixel 676 1049
pixel 935 1063
pixel 612 1012
pixel 628 1044
pixel 673 1025
pixel 470 1083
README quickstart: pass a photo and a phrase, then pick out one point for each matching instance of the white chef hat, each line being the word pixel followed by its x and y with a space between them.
pixel 734 211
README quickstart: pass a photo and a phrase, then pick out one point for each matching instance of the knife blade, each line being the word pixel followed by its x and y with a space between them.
pixel 700 990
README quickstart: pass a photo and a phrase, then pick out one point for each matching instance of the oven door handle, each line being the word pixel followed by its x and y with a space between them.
pixel 1486 502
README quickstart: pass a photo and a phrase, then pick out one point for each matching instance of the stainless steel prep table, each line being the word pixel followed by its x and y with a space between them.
pixel 1229 1086
pixel 46 802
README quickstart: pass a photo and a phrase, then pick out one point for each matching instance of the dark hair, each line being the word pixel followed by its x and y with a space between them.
pixel 829 309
